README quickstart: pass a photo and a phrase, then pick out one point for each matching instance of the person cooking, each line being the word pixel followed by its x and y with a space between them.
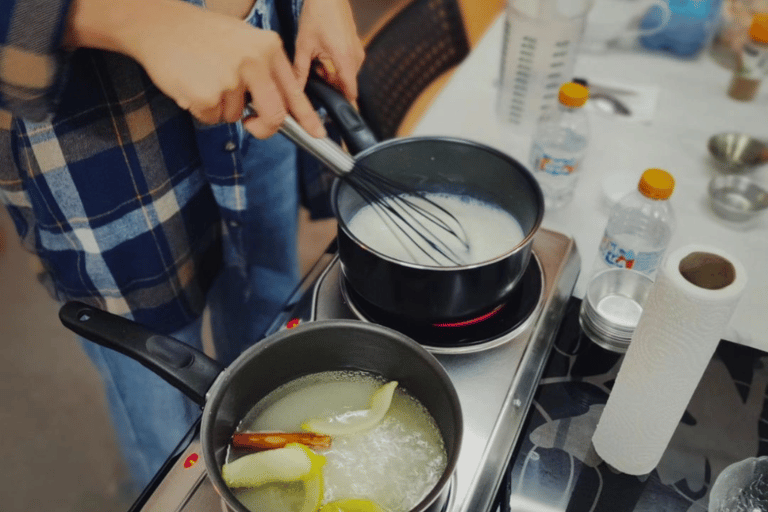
pixel 129 173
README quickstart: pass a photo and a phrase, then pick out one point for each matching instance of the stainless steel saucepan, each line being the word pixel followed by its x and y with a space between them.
pixel 228 394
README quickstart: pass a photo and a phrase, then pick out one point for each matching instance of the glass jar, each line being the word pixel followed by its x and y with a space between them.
pixel 752 64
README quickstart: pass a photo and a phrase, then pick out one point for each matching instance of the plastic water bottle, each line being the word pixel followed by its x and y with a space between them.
pixel 559 146
pixel 640 226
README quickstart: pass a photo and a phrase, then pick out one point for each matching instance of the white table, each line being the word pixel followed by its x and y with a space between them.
pixel 692 105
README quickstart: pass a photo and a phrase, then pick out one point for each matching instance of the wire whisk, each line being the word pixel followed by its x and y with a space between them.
pixel 418 222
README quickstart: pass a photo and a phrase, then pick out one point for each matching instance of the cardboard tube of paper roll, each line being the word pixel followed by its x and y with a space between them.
pixel 688 308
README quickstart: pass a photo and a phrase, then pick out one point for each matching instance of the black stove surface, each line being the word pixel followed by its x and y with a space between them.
pixel 554 467
pixel 519 305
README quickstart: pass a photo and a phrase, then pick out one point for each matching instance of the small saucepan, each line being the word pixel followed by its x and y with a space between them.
pixel 228 394
pixel 432 164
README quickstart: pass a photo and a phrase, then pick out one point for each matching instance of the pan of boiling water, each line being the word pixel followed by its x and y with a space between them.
pixel 270 374
pixel 495 198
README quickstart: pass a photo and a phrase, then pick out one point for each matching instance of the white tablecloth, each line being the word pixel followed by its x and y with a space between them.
pixel 691 106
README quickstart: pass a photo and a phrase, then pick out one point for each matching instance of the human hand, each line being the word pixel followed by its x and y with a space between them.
pixel 207 62
pixel 327 33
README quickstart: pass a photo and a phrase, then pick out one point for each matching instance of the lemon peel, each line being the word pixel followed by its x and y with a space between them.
pixel 291 463
pixel 351 422
pixel 351 505
pixel 313 491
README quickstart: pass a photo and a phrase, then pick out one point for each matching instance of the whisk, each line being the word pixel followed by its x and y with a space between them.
pixel 412 217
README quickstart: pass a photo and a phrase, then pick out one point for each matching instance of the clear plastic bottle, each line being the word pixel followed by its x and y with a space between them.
pixel 559 145
pixel 640 226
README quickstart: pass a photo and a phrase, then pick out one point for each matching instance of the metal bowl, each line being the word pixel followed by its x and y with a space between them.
pixel 737 151
pixel 612 306
pixel 737 198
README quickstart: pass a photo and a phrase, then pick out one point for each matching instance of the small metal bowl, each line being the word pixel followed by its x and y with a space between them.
pixel 737 152
pixel 612 306
pixel 737 198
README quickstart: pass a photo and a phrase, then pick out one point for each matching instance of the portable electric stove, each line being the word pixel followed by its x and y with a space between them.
pixel 494 361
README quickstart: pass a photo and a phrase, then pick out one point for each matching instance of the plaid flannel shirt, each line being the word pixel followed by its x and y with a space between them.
pixel 119 192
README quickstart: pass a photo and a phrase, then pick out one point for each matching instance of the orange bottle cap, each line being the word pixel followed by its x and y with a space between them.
pixel 656 184
pixel 758 31
pixel 573 95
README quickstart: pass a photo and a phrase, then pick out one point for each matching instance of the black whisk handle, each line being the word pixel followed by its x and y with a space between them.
pixel 356 133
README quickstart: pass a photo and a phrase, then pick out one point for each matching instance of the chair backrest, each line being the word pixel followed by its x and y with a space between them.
pixel 405 55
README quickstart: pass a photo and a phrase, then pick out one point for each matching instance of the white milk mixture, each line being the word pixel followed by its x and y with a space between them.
pixel 490 232
pixel 395 464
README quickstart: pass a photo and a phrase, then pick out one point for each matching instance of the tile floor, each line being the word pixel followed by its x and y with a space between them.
pixel 57 447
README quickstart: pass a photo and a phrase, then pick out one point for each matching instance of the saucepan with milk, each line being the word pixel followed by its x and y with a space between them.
pixel 495 198
pixel 337 414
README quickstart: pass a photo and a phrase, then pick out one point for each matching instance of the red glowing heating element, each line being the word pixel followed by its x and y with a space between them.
pixel 474 321
pixel 191 461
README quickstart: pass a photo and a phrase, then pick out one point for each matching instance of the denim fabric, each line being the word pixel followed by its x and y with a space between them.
pixel 260 253
pixel 260 272
pixel 149 415
pixel 261 266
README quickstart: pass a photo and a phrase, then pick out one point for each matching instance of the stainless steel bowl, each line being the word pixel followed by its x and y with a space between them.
pixel 612 306
pixel 737 151
pixel 737 198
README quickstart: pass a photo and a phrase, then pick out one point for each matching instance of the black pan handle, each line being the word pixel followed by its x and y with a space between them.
pixel 353 129
pixel 187 369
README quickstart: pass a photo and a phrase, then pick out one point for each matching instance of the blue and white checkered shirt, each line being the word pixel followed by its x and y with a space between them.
pixel 119 192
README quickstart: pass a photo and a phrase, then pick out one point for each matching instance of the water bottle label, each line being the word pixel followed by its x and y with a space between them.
pixel 544 162
pixel 615 255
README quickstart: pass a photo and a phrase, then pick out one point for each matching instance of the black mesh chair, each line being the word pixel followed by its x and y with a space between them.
pixel 421 42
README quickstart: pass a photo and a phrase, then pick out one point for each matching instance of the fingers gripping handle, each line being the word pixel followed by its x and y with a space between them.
pixel 326 150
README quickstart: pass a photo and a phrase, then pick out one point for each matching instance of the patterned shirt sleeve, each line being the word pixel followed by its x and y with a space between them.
pixel 31 60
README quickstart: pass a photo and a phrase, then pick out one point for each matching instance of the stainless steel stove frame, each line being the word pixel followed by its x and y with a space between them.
pixel 495 383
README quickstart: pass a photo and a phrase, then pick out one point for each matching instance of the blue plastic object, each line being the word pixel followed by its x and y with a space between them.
pixel 691 27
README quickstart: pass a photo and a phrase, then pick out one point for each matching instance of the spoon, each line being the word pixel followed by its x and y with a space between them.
pixel 610 104
pixel 738 151
pixel 604 100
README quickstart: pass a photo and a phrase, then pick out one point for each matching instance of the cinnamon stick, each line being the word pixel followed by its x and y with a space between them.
pixel 259 441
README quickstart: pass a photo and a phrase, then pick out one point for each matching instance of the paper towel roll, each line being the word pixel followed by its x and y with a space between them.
pixel 694 296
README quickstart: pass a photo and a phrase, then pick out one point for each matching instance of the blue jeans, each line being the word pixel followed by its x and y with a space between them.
pixel 261 270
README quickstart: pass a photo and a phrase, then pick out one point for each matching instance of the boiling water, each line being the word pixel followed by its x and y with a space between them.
pixel 395 464
pixel 489 230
